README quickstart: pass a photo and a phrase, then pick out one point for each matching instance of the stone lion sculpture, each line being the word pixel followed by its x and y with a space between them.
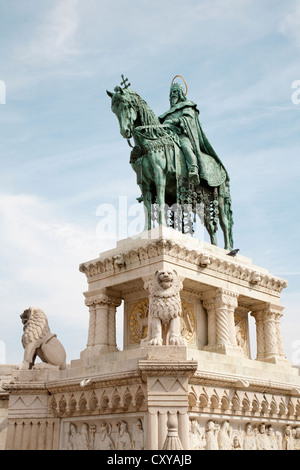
pixel 165 309
pixel 38 340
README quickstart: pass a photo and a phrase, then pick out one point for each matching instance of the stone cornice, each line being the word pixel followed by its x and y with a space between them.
pixel 26 388
pixel 211 263
pixel 73 384
pixel 155 367
pixel 247 383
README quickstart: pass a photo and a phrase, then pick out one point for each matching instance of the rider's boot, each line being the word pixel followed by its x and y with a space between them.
pixel 194 175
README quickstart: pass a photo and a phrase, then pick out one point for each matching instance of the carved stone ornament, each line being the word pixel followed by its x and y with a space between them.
pixel 138 321
pixel 227 269
pixel 38 341
pixel 229 435
pixel 110 434
pixel 165 309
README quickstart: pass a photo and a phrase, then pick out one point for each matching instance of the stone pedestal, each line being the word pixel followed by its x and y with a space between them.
pixel 205 393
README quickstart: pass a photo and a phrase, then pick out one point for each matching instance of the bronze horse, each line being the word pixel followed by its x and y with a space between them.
pixel 161 169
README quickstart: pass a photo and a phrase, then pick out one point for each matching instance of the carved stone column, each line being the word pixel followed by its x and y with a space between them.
pixel 260 336
pixel 220 305
pixel 92 323
pixel 102 322
pixel 101 327
pixel 35 425
pixel 112 307
pixel 209 304
pixel 42 436
pixel 268 332
pixel 278 316
pixel 19 434
pixel 11 435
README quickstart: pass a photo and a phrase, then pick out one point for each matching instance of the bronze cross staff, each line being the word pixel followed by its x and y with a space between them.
pixel 124 80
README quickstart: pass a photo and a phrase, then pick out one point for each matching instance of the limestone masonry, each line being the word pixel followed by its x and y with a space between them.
pixel 185 379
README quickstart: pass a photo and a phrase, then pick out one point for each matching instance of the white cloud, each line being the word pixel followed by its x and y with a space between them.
pixel 290 25
pixel 32 232
pixel 40 266
pixel 54 39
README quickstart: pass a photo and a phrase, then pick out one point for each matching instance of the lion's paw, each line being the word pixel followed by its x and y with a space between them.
pixel 24 366
pixel 177 341
pixel 156 342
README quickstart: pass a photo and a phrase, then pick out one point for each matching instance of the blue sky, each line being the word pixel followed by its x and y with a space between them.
pixel 62 156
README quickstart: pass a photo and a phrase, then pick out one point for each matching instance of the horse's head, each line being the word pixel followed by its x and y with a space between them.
pixel 123 106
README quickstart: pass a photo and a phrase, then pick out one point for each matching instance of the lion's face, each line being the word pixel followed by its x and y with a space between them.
pixel 25 316
pixel 165 279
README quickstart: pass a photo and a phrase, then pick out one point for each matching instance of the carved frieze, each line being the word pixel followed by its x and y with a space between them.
pixel 108 434
pixel 94 401
pixel 227 269
pixel 138 321
pixel 229 434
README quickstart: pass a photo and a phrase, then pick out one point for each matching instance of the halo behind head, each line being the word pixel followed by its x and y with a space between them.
pixel 179 76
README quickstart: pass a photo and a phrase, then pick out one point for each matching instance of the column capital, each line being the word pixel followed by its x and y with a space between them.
pixel 266 309
pixel 220 297
pixel 101 298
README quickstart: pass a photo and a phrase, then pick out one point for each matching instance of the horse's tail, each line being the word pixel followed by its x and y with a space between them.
pixel 229 213
pixel 224 191
pixel 230 223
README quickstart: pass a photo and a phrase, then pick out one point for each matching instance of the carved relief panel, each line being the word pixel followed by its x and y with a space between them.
pixel 137 322
pixel 231 419
pixel 242 329
pixel 234 434
pixel 111 433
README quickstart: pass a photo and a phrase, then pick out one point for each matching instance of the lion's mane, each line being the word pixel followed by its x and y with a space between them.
pixel 36 326
pixel 165 302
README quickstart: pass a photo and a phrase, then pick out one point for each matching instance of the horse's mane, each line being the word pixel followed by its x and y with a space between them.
pixel 148 117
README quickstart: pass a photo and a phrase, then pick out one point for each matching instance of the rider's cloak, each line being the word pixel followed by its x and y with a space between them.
pixel 184 118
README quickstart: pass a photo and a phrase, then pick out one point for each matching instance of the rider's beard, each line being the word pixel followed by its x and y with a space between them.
pixel 174 100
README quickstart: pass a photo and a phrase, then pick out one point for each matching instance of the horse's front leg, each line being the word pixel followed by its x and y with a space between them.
pixel 159 168
pixel 147 201
pixel 160 190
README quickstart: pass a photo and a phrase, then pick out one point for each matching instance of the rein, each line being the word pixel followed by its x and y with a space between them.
pixel 150 126
pixel 137 130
